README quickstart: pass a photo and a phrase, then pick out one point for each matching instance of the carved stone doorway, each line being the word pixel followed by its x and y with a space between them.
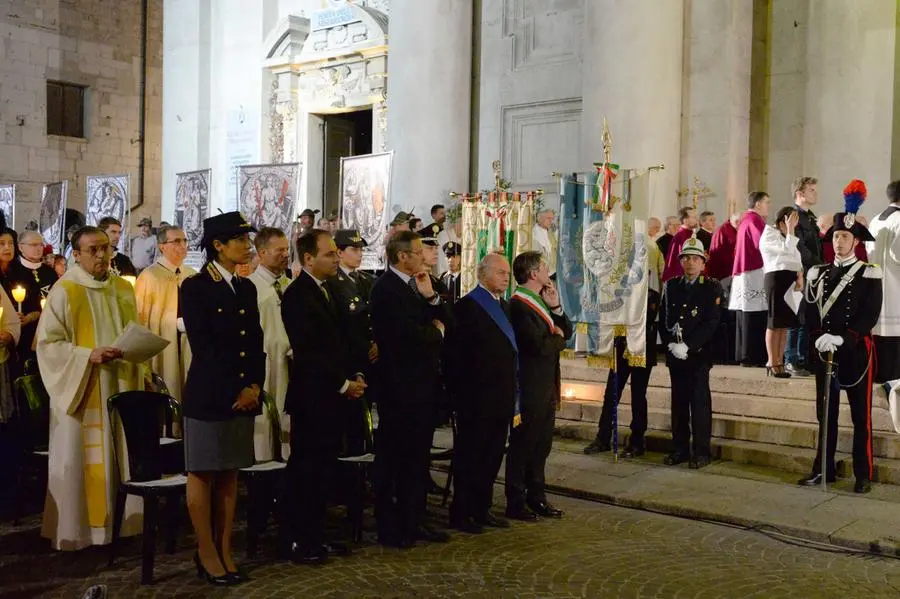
pixel 345 134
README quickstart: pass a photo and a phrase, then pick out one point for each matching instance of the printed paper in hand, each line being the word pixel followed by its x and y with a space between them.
pixel 139 344
pixel 793 299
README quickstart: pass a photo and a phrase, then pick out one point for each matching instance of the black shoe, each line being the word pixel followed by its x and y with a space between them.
pixel 337 549
pixel 545 510
pixel 466 524
pixel 796 370
pixel 633 452
pixel 699 462
pixel 522 514
pixel 862 485
pixel 221 581
pixel 673 459
pixel 597 446
pixel 309 556
pixel 489 519
pixel 238 576
pixel 814 479
pixel 430 535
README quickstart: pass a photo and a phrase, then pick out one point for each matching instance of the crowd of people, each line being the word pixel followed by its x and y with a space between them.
pixel 321 338
pixel 789 296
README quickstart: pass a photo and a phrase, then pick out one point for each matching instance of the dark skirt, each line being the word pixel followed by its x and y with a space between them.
pixel 776 285
pixel 218 445
pixel 750 340
pixel 887 359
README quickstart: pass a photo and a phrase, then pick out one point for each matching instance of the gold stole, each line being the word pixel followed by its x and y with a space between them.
pixel 93 433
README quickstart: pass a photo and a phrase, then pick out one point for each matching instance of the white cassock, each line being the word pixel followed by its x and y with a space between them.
pixel 885 251
pixel 157 304
pixel 81 314
pixel 277 348
pixel 544 241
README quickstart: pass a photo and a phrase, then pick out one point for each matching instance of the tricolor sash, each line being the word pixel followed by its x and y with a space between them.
pixel 483 298
pixel 536 303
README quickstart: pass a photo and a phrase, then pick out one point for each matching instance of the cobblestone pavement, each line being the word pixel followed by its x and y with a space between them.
pixel 595 551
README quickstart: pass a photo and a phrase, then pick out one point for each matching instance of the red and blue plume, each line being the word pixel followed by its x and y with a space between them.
pixel 854 195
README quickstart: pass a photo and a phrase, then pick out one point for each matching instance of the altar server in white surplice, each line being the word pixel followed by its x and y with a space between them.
pixel 157 304
pixel 85 312
pixel 885 251
pixel 271 282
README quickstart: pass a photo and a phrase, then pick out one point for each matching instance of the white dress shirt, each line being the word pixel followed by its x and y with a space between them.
pixel 779 252
pixel 228 276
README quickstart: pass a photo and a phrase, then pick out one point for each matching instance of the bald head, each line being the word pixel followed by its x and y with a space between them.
pixel 653 226
pixel 493 273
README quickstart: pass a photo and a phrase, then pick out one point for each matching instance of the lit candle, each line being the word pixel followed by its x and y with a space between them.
pixel 130 279
pixel 43 302
pixel 1 313
pixel 18 294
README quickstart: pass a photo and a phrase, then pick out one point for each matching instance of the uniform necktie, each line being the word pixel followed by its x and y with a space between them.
pixel 325 292
pixel 412 285
pixel 354 277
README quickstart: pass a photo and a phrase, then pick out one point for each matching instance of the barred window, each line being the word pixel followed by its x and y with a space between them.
pixel 65 109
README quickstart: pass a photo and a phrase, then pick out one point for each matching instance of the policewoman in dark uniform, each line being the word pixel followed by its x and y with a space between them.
pixel 222 392
pixel 352 288
pixel 844 301
pixel 692 309
pixel 452 279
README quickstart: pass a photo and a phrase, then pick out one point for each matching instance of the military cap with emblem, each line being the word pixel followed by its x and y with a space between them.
pixel 349 237
pixel 402 218
pixel 428 239
pixel 854 195
pixel 226 225
pixel 451 248
pixel 692 247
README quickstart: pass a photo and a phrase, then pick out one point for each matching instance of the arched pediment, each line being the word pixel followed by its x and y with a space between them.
pixel 284 44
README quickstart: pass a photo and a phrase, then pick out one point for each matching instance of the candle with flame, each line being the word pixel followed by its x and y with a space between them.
pixel 43 302
pixel 18 294
pixel 130 279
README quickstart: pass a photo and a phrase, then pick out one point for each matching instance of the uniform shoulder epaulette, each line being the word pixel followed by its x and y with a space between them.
pixel 872 271
pixel 813 272
pixel 213 272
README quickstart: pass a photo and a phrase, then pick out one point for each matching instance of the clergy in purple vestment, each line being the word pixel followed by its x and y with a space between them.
pixel 748 295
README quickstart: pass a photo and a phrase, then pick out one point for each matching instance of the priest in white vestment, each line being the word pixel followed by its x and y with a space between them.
pixel 157 304
pixel 544 240
pixel 271 282
pixel 85 312
pixel 885 251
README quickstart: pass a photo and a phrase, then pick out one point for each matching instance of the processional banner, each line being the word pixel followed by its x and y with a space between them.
pixel 602 275
pixel 108 196
pixel 267 194
pixel 53 214
pixel 365 203
pixel 192 204
pixel 8 204
pixel 494 222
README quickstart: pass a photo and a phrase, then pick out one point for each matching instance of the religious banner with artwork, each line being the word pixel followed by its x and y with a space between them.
pixel 365 203
pixel 8 204
pixel 53 214
pixel 192 205
pixel 496 221
pixel 268 194
pixel 108 196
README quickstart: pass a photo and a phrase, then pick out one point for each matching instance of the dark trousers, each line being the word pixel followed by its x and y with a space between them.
pixel 529 447
pixel 480 443
pixel 860 399
pixel 315 445
pixel 402 457
pixel 640 379
pixel 691 406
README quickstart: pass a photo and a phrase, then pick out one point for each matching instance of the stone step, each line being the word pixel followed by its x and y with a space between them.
pixel 753 406
pixel 723 379
pixel 758 430
pixel 798 460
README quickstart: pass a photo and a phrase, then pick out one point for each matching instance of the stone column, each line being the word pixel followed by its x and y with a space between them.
pixel 633 78
pixel 716 102
pixel 429 100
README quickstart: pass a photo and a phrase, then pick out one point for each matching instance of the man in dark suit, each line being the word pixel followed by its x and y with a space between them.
pixel 482 377
pixel 352 289
pixel 324 374
pixel 408 319
pixel 542 329
pixel 452 279
pixel 120 263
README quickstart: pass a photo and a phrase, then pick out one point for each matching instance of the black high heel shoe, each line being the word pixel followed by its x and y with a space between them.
pixel 221 581
pixel 777 370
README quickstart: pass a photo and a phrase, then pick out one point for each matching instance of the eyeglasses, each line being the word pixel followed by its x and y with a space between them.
pixel 95 250
pixel 181 241
pixel 33 244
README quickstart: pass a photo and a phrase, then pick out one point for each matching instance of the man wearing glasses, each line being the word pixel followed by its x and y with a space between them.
pixel 30 272
pixel 157 303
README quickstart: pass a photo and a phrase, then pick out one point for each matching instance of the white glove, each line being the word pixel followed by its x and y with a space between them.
pixel 679 350
pixel 828 343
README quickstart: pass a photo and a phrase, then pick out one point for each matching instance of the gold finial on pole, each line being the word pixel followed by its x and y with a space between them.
pixel 606 138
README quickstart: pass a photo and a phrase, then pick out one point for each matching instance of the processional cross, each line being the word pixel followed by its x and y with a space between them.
pixel 696 193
